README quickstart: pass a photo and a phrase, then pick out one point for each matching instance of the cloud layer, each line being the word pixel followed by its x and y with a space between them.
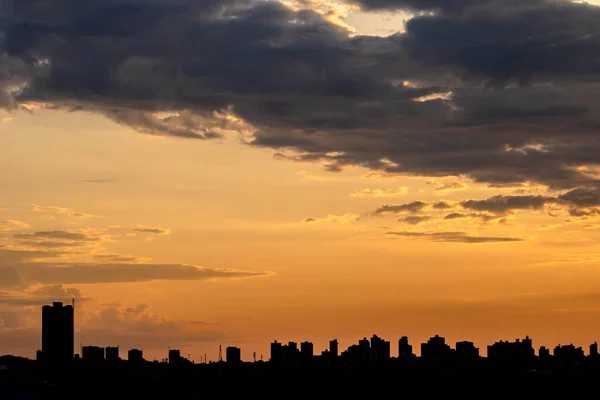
pixel 501 91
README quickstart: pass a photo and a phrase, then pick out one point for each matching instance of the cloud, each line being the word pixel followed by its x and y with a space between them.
pixel 12 225
pixel 577 203
pixel 138 327
pixel 447 187
pixel 114 324
pixel 399 191
pixel 61 210
pixel 57 291
pixel 44 296
pixel 503 92
pixel 156 231
pixel 455 237
pixel 414 207
pixel 415 219
pixel 331 218
pixel 504 204
pixel 423 5
pixel 101 180
pixel 61 239
pixel 89 273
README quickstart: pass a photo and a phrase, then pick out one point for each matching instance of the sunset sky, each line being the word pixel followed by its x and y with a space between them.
pixel 234 172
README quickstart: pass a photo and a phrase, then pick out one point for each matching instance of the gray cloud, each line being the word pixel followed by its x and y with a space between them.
pixel 157 231
pixel 455 237
pixel 59 235
pixel 504 204
pixel 413 207
pixel 421 5
pixel 20 269
pixel 578 202
pixel 501 91
pixel 49 274
pixel 415 219
pixel 57 291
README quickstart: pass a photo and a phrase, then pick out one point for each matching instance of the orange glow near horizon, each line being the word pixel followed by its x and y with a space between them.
pixel 320 265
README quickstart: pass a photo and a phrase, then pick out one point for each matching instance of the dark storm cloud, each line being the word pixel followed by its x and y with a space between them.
pixel 504 92
pixel 455 237
pixel 432 5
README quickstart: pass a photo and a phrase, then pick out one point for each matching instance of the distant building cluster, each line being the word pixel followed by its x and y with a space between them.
pixel 58 347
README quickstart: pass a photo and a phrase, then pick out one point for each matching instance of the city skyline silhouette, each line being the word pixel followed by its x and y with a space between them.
pixel 208 180
pixel 58 370
pixel 58 347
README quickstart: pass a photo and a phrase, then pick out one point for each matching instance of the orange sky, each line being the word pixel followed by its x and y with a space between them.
pixel 229 245
pixel 225 206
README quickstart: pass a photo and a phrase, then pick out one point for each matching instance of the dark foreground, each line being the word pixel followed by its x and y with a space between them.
pixel 154 380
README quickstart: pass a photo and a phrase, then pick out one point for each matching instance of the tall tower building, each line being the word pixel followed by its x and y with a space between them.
pixel 58 332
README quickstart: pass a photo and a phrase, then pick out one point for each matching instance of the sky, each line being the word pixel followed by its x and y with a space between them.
pixel 234 172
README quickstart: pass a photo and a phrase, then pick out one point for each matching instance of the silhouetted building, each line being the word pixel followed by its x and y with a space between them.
pixel 333 348
pixel 233 355
pixel 135 355
pixel 174 356
pixel 435 349
pixel 276 353
pixel 594 349
pixel 380 349
pixel 306 352
pixel 92 354
pixel 519 352
pixel 544 353
pixel 567 354
pixel 58 337
pixel 405 350
pixel 466 351
pixel 112 353
pixel 365 349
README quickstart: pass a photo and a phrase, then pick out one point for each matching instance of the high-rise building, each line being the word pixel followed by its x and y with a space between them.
pixel 174 356
pixel 333 348
pixel 112 353
pixel 306 352
pixel 233 355
pixel 404 348
pixel 380 349
pixel 594 349
pixel 435 349
pixel 93 354
pixel 466 351
pixel 58 333
pixel 276 353
pixel 135 355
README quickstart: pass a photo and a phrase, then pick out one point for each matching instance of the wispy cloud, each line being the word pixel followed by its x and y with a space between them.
pixel 399 191
pixel 11 225
pixel 331 218
pixel 61 210
pixel 152 230
pixel 455 237
pixel 101 180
